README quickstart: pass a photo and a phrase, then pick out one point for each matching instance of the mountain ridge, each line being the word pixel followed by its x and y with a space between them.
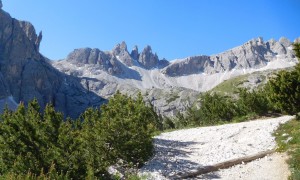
pixel 195 74
pixel 253 54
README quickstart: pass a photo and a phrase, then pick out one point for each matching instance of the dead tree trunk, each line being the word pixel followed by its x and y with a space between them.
pixel 222 165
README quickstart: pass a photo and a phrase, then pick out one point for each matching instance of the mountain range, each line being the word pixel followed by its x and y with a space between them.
pixel 171 86
pixel 87 77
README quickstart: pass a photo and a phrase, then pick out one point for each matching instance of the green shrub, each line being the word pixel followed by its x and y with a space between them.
pixel 129 125
pixel 252 102
pixel 35 145
pixel 215 108
pixel 284 89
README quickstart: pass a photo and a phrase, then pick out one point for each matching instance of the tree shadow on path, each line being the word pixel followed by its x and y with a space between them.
pixel 171 158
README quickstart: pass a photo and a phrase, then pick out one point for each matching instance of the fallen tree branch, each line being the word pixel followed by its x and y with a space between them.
pixel 222 165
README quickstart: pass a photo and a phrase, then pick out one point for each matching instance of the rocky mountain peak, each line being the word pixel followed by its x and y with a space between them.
pixel 1 4
pixel 135 48
pixel 255 42
pixel 135 53
pixel 31 33
pixel 148 49
pixel 119 48
pixel 20 41
pixel 285 41
pixel 147 58
pixel 121 52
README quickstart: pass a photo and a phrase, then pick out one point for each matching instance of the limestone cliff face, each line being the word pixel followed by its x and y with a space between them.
pixel 190 65
pixel 104 60
pixel 253 54
pixel 26 74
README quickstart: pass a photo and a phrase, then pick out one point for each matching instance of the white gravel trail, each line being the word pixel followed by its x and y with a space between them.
pixel 186 150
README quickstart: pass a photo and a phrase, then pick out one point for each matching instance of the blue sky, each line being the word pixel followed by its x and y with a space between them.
pixel 174 28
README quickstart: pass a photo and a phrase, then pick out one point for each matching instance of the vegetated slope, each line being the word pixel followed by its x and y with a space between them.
pixel 186 150
pixel 249 81
pixel 105 72
pixel 26 74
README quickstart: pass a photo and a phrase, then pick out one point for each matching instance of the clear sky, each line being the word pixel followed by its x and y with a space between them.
pixel 174 28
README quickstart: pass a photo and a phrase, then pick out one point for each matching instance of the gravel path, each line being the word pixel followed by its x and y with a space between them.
pixel 186 150
pixel 271 167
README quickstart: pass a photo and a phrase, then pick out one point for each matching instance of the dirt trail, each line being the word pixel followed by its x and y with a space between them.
pixel 271 167
pixel 187 150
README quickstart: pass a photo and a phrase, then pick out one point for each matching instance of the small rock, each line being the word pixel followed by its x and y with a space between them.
pixel 288 140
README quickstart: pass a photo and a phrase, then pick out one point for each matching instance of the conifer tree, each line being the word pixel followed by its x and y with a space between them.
pixel 128 127
pixel 284 89
pixel 215 107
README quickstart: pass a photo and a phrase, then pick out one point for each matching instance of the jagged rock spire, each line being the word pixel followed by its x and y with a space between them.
pixel 38 40
pixel 1 4
pixel 122 53
pixel 135 53
pixel 120 48
pixel 147 58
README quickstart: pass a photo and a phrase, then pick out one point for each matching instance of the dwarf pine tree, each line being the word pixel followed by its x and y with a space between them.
pixel 284 89
pixel 35 143
pixel 129 125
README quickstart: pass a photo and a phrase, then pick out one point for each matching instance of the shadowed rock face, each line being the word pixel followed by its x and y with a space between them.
pixel 135 53
pixel 26 74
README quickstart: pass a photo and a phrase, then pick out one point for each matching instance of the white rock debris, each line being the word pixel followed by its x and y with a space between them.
pixel 186 150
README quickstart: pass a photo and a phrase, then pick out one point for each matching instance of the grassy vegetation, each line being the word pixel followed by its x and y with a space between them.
pixel 230 86
pixel 288 140
pixel 173 98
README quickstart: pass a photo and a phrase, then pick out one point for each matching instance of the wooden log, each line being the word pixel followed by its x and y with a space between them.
pixel 222 165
